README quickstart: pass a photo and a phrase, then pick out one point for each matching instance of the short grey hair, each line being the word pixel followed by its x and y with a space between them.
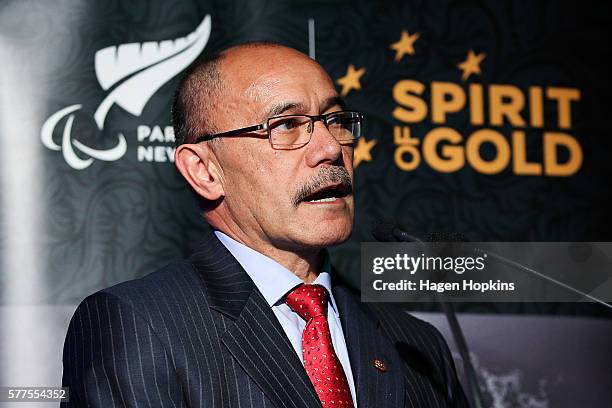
pixel 198 92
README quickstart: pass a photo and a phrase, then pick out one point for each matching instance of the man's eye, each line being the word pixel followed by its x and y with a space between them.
pixel 287 124
pixel 341 120
pixel 334 120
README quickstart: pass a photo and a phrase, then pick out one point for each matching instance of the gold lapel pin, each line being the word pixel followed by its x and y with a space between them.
pixel 380 365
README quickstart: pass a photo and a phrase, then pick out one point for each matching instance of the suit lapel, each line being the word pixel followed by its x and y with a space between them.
pixel 376 387
pixel 256 340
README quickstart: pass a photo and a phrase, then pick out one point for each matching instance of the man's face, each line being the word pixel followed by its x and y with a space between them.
pixel 283 197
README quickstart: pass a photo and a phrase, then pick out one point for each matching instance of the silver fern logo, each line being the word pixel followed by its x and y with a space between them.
pixel 131 73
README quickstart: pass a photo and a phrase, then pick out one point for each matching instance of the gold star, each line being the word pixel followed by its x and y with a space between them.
pixel 363 151
pixel 351 79
pixel 405 45
pixel 471 65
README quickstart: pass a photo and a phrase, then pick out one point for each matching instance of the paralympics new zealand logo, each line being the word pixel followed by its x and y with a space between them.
pixel 131 73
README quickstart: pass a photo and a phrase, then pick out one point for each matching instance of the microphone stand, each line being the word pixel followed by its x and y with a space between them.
pixel 451 316
pixel 468 368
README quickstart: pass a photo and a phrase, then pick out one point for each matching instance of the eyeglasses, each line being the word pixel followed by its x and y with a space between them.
pixel 288 132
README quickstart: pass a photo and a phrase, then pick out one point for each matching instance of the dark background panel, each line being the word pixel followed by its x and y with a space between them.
pixel 122 219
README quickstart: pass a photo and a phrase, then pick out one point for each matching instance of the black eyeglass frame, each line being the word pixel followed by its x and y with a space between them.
pixel 266 126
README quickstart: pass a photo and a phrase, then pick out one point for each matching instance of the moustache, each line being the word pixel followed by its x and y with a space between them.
pixel 324 177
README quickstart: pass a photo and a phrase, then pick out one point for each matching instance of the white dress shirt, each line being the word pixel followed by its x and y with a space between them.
pixel 274 281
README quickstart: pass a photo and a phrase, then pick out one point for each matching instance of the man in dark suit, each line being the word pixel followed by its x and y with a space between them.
pixel 255 317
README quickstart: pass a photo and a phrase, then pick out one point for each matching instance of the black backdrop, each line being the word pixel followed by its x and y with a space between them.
pixel 120 219
pixel 67 232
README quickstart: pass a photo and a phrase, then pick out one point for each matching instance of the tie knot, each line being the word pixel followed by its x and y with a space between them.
pixel 308 301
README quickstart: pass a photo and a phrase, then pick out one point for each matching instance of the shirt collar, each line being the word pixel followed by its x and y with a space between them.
pixel 271 278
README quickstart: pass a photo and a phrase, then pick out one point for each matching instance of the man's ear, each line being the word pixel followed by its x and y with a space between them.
pixel 199 167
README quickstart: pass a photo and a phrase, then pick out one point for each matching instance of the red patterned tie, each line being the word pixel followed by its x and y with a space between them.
pixel 320 360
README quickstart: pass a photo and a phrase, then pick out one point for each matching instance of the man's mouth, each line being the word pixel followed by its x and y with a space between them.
pixel 330 186
pixel 328 194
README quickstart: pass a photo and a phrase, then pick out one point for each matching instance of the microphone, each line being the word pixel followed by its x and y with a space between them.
pixel 445 237
pixel 388 231
pixel 458 237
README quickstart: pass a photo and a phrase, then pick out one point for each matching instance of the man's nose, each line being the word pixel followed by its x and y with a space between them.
pixel 323 146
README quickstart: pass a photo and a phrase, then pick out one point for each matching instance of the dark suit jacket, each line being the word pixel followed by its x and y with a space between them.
pixel 198 333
